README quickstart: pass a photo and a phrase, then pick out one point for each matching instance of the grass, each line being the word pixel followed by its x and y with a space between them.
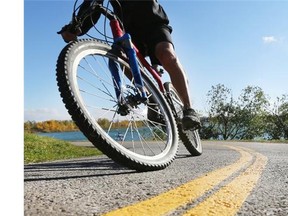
pixel 43 149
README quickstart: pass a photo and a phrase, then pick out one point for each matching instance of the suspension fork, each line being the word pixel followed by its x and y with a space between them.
pixel 126 44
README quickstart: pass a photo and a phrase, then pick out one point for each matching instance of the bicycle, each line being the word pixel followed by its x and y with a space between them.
pixel 107 85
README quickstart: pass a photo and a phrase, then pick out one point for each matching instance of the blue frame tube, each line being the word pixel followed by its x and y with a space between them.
pixel 128 47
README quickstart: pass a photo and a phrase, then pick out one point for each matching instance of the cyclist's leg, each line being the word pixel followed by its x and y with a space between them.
pixel 161 50
pixel 167 56
pixel 160 47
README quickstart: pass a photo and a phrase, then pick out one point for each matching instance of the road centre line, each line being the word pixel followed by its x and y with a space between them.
pixel 229 199
pixel 186 193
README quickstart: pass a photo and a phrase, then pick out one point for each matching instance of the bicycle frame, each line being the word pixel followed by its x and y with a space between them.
pixel 125 40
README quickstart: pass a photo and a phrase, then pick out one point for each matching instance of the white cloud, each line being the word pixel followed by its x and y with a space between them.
pixel 269 39
pixel 44 114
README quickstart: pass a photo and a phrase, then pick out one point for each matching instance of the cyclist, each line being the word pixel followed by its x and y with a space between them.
pixel 148 25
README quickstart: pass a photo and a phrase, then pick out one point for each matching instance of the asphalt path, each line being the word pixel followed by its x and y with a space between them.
pixel 229 178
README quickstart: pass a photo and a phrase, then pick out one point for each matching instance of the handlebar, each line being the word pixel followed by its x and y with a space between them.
pixel 103 10
pixel 75 25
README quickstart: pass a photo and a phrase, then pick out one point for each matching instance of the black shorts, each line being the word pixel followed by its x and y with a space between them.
pixel 146 41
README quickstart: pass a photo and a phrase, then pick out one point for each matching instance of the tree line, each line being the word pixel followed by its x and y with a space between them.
pixel 69 125
pixel 251 115
pixel 50 126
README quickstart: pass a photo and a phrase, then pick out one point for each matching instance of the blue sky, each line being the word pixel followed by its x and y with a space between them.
pixel 235 43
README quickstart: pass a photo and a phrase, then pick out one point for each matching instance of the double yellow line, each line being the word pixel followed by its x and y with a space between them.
pixel 226 201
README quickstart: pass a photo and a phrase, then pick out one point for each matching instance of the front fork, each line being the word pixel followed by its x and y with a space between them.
pixel 115 70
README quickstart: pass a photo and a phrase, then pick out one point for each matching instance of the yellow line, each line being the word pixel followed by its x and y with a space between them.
pixel 230 198
pixel 169 201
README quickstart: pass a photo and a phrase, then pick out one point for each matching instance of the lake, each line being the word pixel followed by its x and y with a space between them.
pixel 78 135
pixel 67 136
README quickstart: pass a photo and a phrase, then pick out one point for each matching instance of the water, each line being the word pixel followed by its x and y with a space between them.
pixel 78 135
pixel 67 136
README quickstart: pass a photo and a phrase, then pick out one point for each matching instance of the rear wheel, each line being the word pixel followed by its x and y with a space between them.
pixel 122 131
pixel 190 138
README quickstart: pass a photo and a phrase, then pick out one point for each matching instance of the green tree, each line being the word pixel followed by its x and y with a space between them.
pixel 277 119
pixel 241 119
pixel 29 126
pixel 207 131
pixel 221 110
pixel 250 119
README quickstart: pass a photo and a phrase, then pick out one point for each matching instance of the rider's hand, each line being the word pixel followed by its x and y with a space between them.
pixel 69 33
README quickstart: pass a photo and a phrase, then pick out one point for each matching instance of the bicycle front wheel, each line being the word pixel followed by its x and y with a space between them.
pixel 118 128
